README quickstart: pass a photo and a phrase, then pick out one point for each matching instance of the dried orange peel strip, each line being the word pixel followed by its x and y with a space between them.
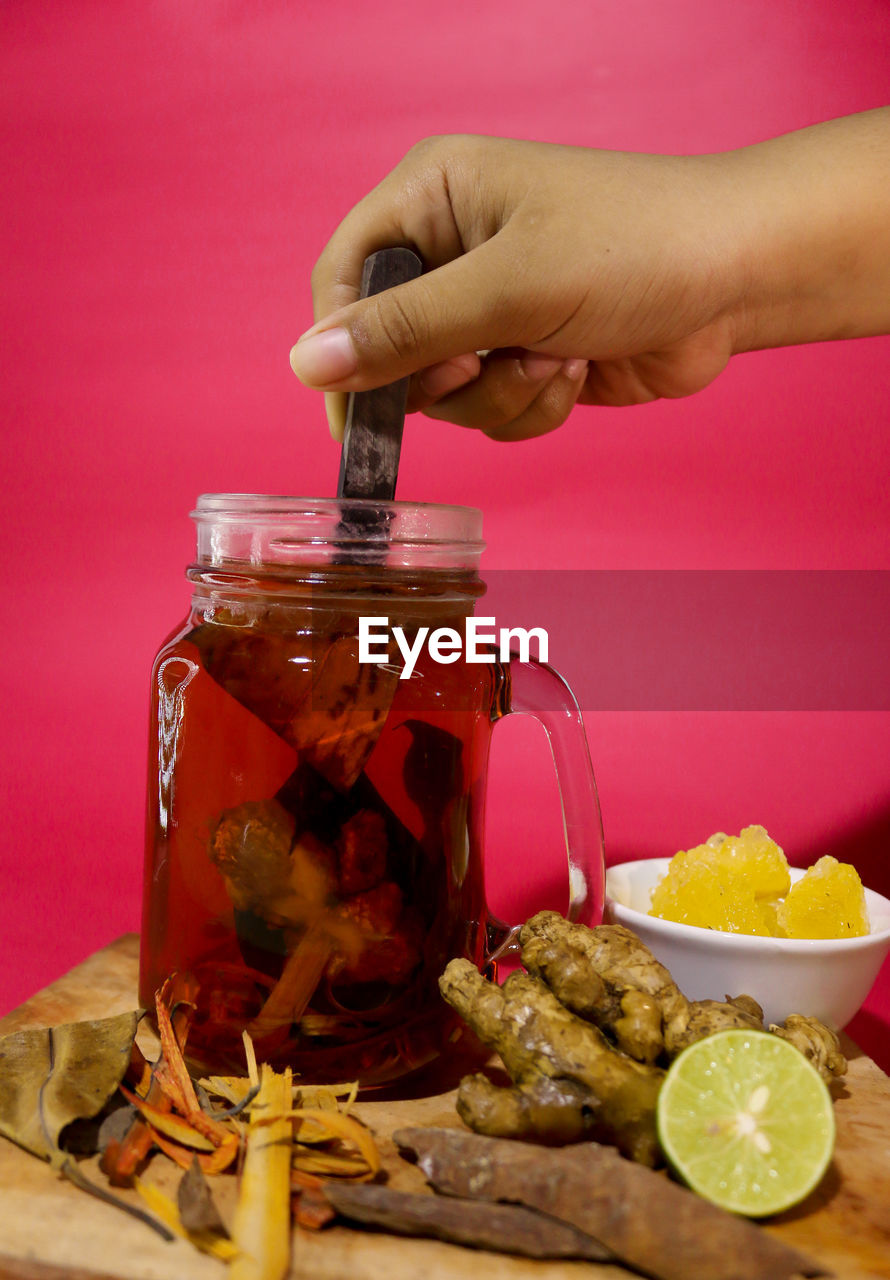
pixel 172 1075
pixel 312 1211
pixel 170 1124
pixel 121 1159
pixel 171 1070
pixel 216 1161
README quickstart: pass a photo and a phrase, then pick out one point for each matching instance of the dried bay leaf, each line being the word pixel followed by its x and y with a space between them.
pixel 53 1075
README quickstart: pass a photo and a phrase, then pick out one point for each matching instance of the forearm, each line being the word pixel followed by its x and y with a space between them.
pixel 814 233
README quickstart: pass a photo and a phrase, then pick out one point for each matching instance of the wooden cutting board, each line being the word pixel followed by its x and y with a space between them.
pixel 51 1231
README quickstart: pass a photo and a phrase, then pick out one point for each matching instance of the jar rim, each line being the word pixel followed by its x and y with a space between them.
pixel 280 528
pixel 237 505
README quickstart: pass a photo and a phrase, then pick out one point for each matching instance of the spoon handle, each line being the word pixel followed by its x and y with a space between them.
pixel 372 441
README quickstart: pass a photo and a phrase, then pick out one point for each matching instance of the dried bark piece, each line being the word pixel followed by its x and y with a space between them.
pixel 651 1223
pixel 500 1228
pixel 194 1200
pixel 211 1242
pixel 311 1209
pixel 299 979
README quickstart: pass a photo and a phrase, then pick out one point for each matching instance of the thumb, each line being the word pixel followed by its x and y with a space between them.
pixel 468 304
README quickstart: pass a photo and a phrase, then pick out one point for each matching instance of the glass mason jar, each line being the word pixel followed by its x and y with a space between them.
pixel 314 853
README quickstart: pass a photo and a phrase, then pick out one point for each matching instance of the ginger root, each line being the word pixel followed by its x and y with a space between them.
pixel 608 976
pixel 551 1110
pixel 581 1033
pixel 569 1082
pixel 816 1042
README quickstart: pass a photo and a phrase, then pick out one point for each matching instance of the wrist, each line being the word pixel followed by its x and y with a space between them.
pixel 811 239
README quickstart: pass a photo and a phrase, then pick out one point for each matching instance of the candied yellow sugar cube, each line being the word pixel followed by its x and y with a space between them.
pixel 768 911
pixel 827 902
pixel 706 893
pixel 762 862
pixel 725 883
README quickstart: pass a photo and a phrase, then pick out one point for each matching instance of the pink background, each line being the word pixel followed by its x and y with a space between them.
pixel 171 170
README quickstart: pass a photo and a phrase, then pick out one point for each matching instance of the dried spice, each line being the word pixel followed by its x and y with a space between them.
pixel 194 1200
pixel 569 1081
pixel 64 1077
pixel 673 1235
pixel 311 1209
pixel 501 1228
pixel 333 720
pixel 366 1164
pixel 583 1036
pixel 610 977
pixel 53 1076
pixel 206 1241
pixel 123 1156
pixel 262 1219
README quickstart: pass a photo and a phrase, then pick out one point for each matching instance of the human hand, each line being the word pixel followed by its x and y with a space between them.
pixel 592 276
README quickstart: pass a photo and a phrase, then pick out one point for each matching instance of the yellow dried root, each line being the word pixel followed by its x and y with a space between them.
pixel 166 1209
pixel 262 1224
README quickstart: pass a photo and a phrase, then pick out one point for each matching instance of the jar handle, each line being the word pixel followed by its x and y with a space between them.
pixel 540 691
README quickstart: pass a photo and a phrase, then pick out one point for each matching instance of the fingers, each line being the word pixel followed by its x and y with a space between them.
pixel 467 304
pixel 411 206
pixel 676 370
pixel 335 409
pixel 516 396
pixel 425 388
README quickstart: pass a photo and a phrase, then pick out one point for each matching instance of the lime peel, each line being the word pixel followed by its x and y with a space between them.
pixel 746 1121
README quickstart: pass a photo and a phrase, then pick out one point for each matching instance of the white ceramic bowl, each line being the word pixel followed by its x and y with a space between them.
pixel 826 979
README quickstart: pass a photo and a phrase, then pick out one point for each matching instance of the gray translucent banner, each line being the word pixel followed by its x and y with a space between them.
pixel 707 640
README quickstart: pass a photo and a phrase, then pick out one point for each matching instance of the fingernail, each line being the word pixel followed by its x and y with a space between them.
pixel 324 358
pixel 537 367
pixel 335 408
pixel 439 379
pixel 574 368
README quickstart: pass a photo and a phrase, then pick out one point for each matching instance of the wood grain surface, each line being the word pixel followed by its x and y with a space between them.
pixel 50 1230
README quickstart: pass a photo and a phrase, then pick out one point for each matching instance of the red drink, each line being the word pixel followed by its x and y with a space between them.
pixel 314 821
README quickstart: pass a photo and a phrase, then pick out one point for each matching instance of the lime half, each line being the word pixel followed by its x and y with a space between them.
pixel 746 1121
